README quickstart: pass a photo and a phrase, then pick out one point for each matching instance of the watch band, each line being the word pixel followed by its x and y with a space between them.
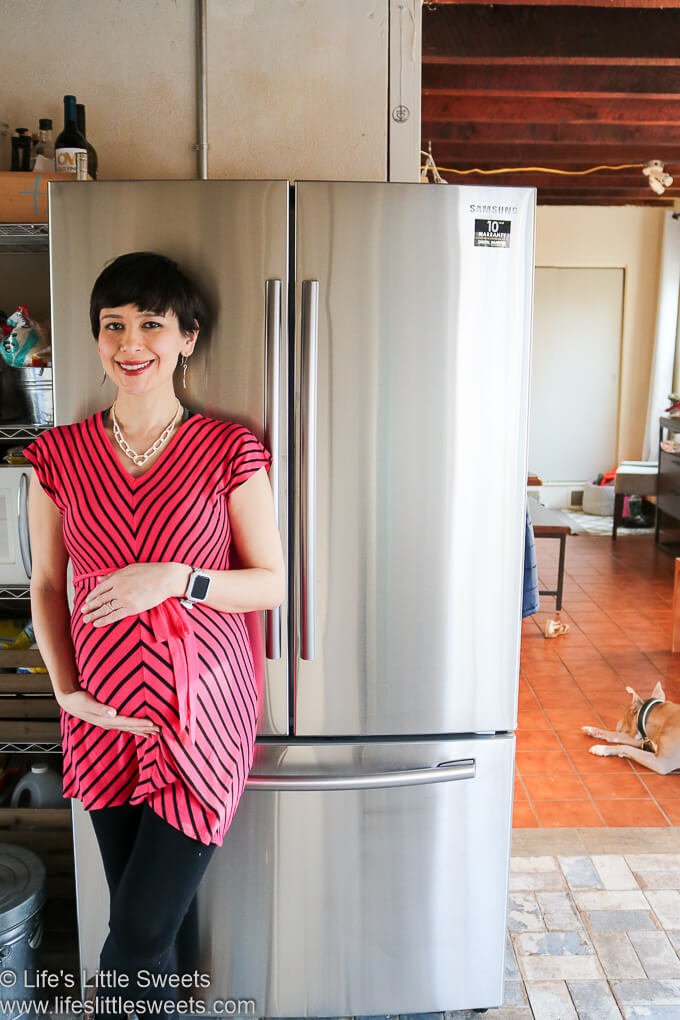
pixel 198 587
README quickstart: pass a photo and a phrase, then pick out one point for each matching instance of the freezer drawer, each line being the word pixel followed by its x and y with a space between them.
pixel 365 901
pixel 344 902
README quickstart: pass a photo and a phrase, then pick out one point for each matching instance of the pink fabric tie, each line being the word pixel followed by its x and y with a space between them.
pixel 170 624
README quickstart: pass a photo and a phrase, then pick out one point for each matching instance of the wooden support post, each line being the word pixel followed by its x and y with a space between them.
pixel 675 637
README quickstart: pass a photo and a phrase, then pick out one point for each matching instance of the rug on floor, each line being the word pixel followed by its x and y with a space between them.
pixel 593 524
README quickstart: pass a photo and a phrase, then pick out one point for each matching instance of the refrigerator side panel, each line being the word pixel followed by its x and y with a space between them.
pixel 412 353
pixel 91 892
pixel 233 237
pixel 364 901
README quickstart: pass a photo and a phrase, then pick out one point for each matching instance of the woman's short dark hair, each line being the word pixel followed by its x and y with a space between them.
pixel 153 283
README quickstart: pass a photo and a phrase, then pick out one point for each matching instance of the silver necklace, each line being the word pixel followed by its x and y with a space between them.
pixel 141 458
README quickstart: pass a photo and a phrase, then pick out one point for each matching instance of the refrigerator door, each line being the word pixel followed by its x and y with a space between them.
pixel 233 237
pixel 360 900
pixel 412 374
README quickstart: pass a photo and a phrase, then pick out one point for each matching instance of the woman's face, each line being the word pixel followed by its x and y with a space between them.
pixel 139 350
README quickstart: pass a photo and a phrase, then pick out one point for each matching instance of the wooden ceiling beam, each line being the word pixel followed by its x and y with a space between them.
pixel 621 193
pixel 525 30
pixel 634 169
pixel 633 176
pixel 572 80
pixel 490 155
pixel 558 182
pixel 439 131
pixel 613 178
pixel 640 4
pixel 646 197
pixel 561 182
pixel 620 196
pixel 465 60
pixel 661 203
pixel 553 110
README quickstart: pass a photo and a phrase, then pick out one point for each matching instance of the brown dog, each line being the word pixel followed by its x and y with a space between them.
pixel 649 733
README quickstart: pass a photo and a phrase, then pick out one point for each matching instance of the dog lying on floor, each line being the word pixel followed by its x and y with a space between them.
pixel 649 733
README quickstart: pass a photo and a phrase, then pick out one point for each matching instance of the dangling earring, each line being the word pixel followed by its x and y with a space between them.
pixel 184 370
pixel 103 380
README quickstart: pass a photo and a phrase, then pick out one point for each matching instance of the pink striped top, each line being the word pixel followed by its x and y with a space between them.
pixel 190 671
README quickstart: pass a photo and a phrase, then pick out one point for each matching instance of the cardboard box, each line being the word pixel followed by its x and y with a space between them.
pixel 23 196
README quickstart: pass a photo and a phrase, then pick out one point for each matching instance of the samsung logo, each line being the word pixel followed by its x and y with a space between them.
pixel 494 210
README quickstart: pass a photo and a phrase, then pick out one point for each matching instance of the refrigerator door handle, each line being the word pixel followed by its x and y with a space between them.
pixel 444 773
pixel 309 333
pixel 273 436
pixel 22 523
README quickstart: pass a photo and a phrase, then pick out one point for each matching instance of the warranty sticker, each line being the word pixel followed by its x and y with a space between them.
pixel 492 233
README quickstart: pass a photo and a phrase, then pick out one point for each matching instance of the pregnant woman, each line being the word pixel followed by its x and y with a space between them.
pixel 154 671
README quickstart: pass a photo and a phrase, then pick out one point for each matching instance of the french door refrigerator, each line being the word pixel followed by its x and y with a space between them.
pixel 377 338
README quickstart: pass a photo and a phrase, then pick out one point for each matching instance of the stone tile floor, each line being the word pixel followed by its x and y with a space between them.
pixel 593 926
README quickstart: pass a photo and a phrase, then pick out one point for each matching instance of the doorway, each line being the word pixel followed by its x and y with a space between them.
pixel 576 371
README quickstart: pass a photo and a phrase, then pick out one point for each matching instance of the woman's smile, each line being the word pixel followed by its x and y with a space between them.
pixel 134 367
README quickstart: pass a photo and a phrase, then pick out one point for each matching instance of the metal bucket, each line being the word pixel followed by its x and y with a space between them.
pixel 11 402
pixel 22 895
pixel 34 386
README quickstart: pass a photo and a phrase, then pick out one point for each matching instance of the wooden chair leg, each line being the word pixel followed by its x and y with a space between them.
pixel 675 637
pixel 618 513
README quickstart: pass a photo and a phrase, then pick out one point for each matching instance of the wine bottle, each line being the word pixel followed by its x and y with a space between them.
pixel 44 146
pixel 91 151
pixel 21 150
pixel 69 141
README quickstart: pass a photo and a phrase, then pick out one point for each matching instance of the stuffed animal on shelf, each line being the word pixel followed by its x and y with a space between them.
pixel 674 409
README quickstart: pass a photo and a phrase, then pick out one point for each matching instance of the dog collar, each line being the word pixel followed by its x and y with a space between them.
pixel 645 708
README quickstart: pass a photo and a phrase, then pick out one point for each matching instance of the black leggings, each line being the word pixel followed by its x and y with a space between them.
pixel 153 871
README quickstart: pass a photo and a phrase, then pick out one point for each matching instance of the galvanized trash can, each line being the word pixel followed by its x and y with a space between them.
pixel 22 895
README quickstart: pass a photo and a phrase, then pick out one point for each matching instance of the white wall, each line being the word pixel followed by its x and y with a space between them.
pixel 577 323
pixel 295 89
pixel 626 237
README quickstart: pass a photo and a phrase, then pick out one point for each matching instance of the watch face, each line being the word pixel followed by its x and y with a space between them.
pixel 199 588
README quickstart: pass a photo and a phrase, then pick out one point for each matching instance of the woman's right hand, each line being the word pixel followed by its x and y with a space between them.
pixel 83 706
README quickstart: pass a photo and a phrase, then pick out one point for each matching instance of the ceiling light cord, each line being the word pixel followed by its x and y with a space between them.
pixel 653 170
pixel 430 167
pixel 542 169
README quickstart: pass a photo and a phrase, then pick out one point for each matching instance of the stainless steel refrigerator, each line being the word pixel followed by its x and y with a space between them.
pixel 377 337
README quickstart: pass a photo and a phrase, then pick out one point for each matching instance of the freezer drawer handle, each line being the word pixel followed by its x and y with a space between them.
pixel 24 537
pixel 464 769
pixel 309 331
pixel 273 436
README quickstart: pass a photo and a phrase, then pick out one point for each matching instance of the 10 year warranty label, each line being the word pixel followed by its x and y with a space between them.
pixel 492 233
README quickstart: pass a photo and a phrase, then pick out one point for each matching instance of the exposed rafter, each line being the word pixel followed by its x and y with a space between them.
pixel 641 4
pixel 560 84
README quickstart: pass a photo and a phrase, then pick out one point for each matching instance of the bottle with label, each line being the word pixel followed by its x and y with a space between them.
pixel 91 151
pixel 43 149
pixel 21 150
pixel 69 141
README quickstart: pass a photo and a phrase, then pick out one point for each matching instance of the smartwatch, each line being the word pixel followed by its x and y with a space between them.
pixel 197 588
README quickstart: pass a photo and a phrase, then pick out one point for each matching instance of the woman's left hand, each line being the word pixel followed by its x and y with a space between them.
pixel 129 591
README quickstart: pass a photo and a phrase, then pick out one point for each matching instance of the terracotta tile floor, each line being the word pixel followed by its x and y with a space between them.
pixel 617 601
